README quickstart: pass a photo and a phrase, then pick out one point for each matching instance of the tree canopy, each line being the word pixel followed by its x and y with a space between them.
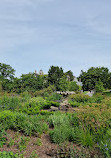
pixel 54 75
pixel 93 75
pixel 6 72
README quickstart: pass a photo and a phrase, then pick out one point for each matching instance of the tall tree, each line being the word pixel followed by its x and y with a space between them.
pixel 70 75
pixel 6 72
pixel 54 75
pixel 93 75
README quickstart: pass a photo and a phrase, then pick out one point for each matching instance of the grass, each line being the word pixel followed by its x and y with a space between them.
pixel 85 127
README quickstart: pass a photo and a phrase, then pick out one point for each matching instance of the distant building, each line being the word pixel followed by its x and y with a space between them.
pixel 79 83
pixel 41 72
pixel 35 73
pixel 68 78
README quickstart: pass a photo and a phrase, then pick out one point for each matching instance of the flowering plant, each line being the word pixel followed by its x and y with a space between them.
pixel 105 147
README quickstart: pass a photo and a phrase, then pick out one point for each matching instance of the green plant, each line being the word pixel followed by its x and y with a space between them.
pixel 11 142
pixel 80 98
pixel 23 143
pixel 2 134
pixel 66 151
pixel 38 142
pixel 105 147
pixel 10 103
pixel 74 103
pixel 6 154
pixel 60 134
pixel 33 154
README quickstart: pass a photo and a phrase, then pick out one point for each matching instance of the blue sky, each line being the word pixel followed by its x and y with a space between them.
pixel 74 34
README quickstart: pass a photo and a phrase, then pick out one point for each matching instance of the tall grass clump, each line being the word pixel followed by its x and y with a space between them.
pixel 29 125
pixel 10 103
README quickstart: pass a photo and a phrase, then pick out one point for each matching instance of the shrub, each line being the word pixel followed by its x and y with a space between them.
pixel 74 104
pixel 48 90
pixel 80 98
pixel 105 147
pixel 54 97
pixel 34 105
pixel 21 122
pixel 9 103
pixel 60 134
pixel 8 154
pixel 99 86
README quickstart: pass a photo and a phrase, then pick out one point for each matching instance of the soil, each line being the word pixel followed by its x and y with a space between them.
pixel 46 150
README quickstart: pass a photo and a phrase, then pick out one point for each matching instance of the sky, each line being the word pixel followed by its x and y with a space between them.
pixel 72 34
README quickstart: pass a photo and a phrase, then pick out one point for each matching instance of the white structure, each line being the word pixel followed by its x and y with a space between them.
pixel 41 72
pixel 79 83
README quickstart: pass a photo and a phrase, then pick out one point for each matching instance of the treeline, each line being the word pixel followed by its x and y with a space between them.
pixel 95 78
pixel 98 78
pixel 31 82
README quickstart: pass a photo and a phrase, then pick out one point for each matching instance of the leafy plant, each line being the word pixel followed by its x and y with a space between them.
pixel 105 147
pixel 11 142
pixel 38 142
pixel 33 154
pixel 6 154
pixel 23 143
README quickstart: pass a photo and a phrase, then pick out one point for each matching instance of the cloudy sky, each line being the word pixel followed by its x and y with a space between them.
pixel 74 34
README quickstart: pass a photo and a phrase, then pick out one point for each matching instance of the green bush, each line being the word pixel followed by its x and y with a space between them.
pixel 2 135
pixel 80 98
pixel 22 122
pixel 54 97
pixel 105 147
pixel 60 134
pixel 10 154
pixel 10 103
pixel 74 104
pixel 34 105
pixel 48 90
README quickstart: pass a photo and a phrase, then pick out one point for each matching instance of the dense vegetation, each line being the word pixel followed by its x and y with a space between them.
pixel 25 111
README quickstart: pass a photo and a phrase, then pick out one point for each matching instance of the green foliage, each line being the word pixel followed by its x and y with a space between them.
pixel 50 89
pixel 54 97
pixel 63 84
pixel 6 72
pixel 105 147
pixel 2 136
pixel 36 104
pixel 99 86
pixel 93 75
pixel 73 86
pixel 23 143
pixel 80 98
pixel 10 103
pixel 25 96
pixel 54 75
pixel 10 143
pixel 38 142
pixel 74 103
pixel 60 134
pixel 33 154
pixel 70 75
pixel 10 154
pixel 71 151
pixel 30 82
pixel 21 122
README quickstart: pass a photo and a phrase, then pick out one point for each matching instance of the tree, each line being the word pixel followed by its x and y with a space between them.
pixel 6 76
pixel 30 82
pixel 63 84
pixel 70 74
pixel 54 75
pixel 73 86
pixel 6 72
pixel 93 75
pixel 99 86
